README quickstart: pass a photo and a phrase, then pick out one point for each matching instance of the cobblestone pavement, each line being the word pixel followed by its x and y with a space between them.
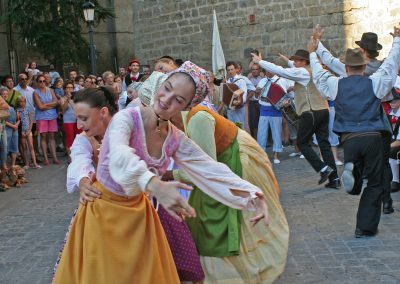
pixel 33 221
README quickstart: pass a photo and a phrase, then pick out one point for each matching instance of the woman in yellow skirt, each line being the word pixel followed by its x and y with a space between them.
pixel 118 237
pixel 232 250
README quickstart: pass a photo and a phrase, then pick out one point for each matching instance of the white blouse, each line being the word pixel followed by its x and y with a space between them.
pixel 81 165
pixel 213 178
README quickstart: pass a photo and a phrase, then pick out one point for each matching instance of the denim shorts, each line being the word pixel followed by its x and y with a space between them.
pixel 12 141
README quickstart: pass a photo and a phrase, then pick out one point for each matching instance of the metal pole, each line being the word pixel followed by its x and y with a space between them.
pixel 92 50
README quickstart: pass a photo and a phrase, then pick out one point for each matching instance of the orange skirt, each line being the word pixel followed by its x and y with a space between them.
pixel 116 239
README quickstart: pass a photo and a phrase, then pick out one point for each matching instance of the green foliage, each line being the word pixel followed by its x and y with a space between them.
pixel 53 27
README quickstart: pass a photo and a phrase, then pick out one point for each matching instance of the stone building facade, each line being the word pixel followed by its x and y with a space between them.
pixel 184 28
pixel 148 29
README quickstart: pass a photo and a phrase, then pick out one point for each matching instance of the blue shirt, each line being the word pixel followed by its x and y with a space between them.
pixel 49 114
pixel 69 115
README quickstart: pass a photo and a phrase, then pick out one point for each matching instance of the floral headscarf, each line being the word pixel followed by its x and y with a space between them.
pixel 200 78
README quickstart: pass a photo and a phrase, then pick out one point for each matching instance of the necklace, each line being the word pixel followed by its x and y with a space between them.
pixel 158 130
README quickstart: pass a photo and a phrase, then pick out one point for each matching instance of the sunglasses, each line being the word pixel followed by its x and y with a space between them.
pixel 42 81
pixel 23 79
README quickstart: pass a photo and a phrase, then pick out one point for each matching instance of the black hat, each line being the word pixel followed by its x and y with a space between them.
pixel 301 54
pixel 395 94
pixel 369 41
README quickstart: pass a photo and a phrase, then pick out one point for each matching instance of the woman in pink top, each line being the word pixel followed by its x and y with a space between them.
pixel 118 238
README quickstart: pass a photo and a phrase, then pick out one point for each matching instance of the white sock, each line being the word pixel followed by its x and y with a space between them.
pixel 324 169
pixel 395 169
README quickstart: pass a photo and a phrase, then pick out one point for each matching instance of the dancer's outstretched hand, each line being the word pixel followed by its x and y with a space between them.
pixel 283 57
pixel 261 210
pixel 396 32
pixel 318 32
pixel 312 45
pixel 256 58
pixel 168 195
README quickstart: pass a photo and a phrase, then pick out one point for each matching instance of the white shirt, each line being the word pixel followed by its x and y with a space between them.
pixel 284 83
pixel 382 80
pixel 122 100
pixel 299 75
pixel 250 86
pixel 333 63
pixel 124 86
pixel 241 83
pixel 397 114
pixel 81 165
pixel 397 83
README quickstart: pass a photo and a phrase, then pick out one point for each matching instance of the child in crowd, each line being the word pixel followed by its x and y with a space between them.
pixel 12 124
pixel 25 138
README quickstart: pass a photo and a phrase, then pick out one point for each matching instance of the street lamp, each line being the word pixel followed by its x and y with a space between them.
pixel 88 12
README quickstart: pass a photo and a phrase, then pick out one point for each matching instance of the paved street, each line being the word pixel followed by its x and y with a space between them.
pixel 33 220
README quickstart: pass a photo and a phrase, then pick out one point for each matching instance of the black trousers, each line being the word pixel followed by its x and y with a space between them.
pixel 316 122
pixel 254 115
pixel 387 171
pixel 393 152
pixel 366 153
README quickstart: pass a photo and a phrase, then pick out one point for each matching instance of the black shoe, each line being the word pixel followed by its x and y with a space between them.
pixel 394 186
pixel 333 184
pixel 364 234
pixel 388 207
pixel 325 175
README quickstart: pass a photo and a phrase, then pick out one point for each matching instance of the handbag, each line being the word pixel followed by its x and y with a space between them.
pixel 4 114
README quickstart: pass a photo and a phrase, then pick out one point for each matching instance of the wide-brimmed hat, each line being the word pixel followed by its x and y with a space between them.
pixel 395 94
pixel 369 41
pixel 353 57
pixel 301 54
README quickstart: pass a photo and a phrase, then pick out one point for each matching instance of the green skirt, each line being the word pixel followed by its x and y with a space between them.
pixel 216 229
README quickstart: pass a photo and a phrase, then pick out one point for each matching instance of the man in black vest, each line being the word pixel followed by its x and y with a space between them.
pixel 370 47
pixel 360 122
pixel 132 76
pixel 394 119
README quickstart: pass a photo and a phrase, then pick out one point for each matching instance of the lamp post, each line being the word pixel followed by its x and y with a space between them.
pixel 88 12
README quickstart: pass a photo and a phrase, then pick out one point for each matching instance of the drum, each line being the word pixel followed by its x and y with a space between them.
pixel 289 112
pixel 276 96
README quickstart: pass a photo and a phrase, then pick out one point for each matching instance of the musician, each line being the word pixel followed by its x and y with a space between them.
pixel 394 116
pixel 253 106
pixel 270 116
pixel 361 127
pixel 238 114
pixel 313 114
pixel 369 47
pixel 251 90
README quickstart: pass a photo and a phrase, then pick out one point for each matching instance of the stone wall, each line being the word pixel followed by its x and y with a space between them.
pixel 113 39
pixel 148 29
pixel 183 29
